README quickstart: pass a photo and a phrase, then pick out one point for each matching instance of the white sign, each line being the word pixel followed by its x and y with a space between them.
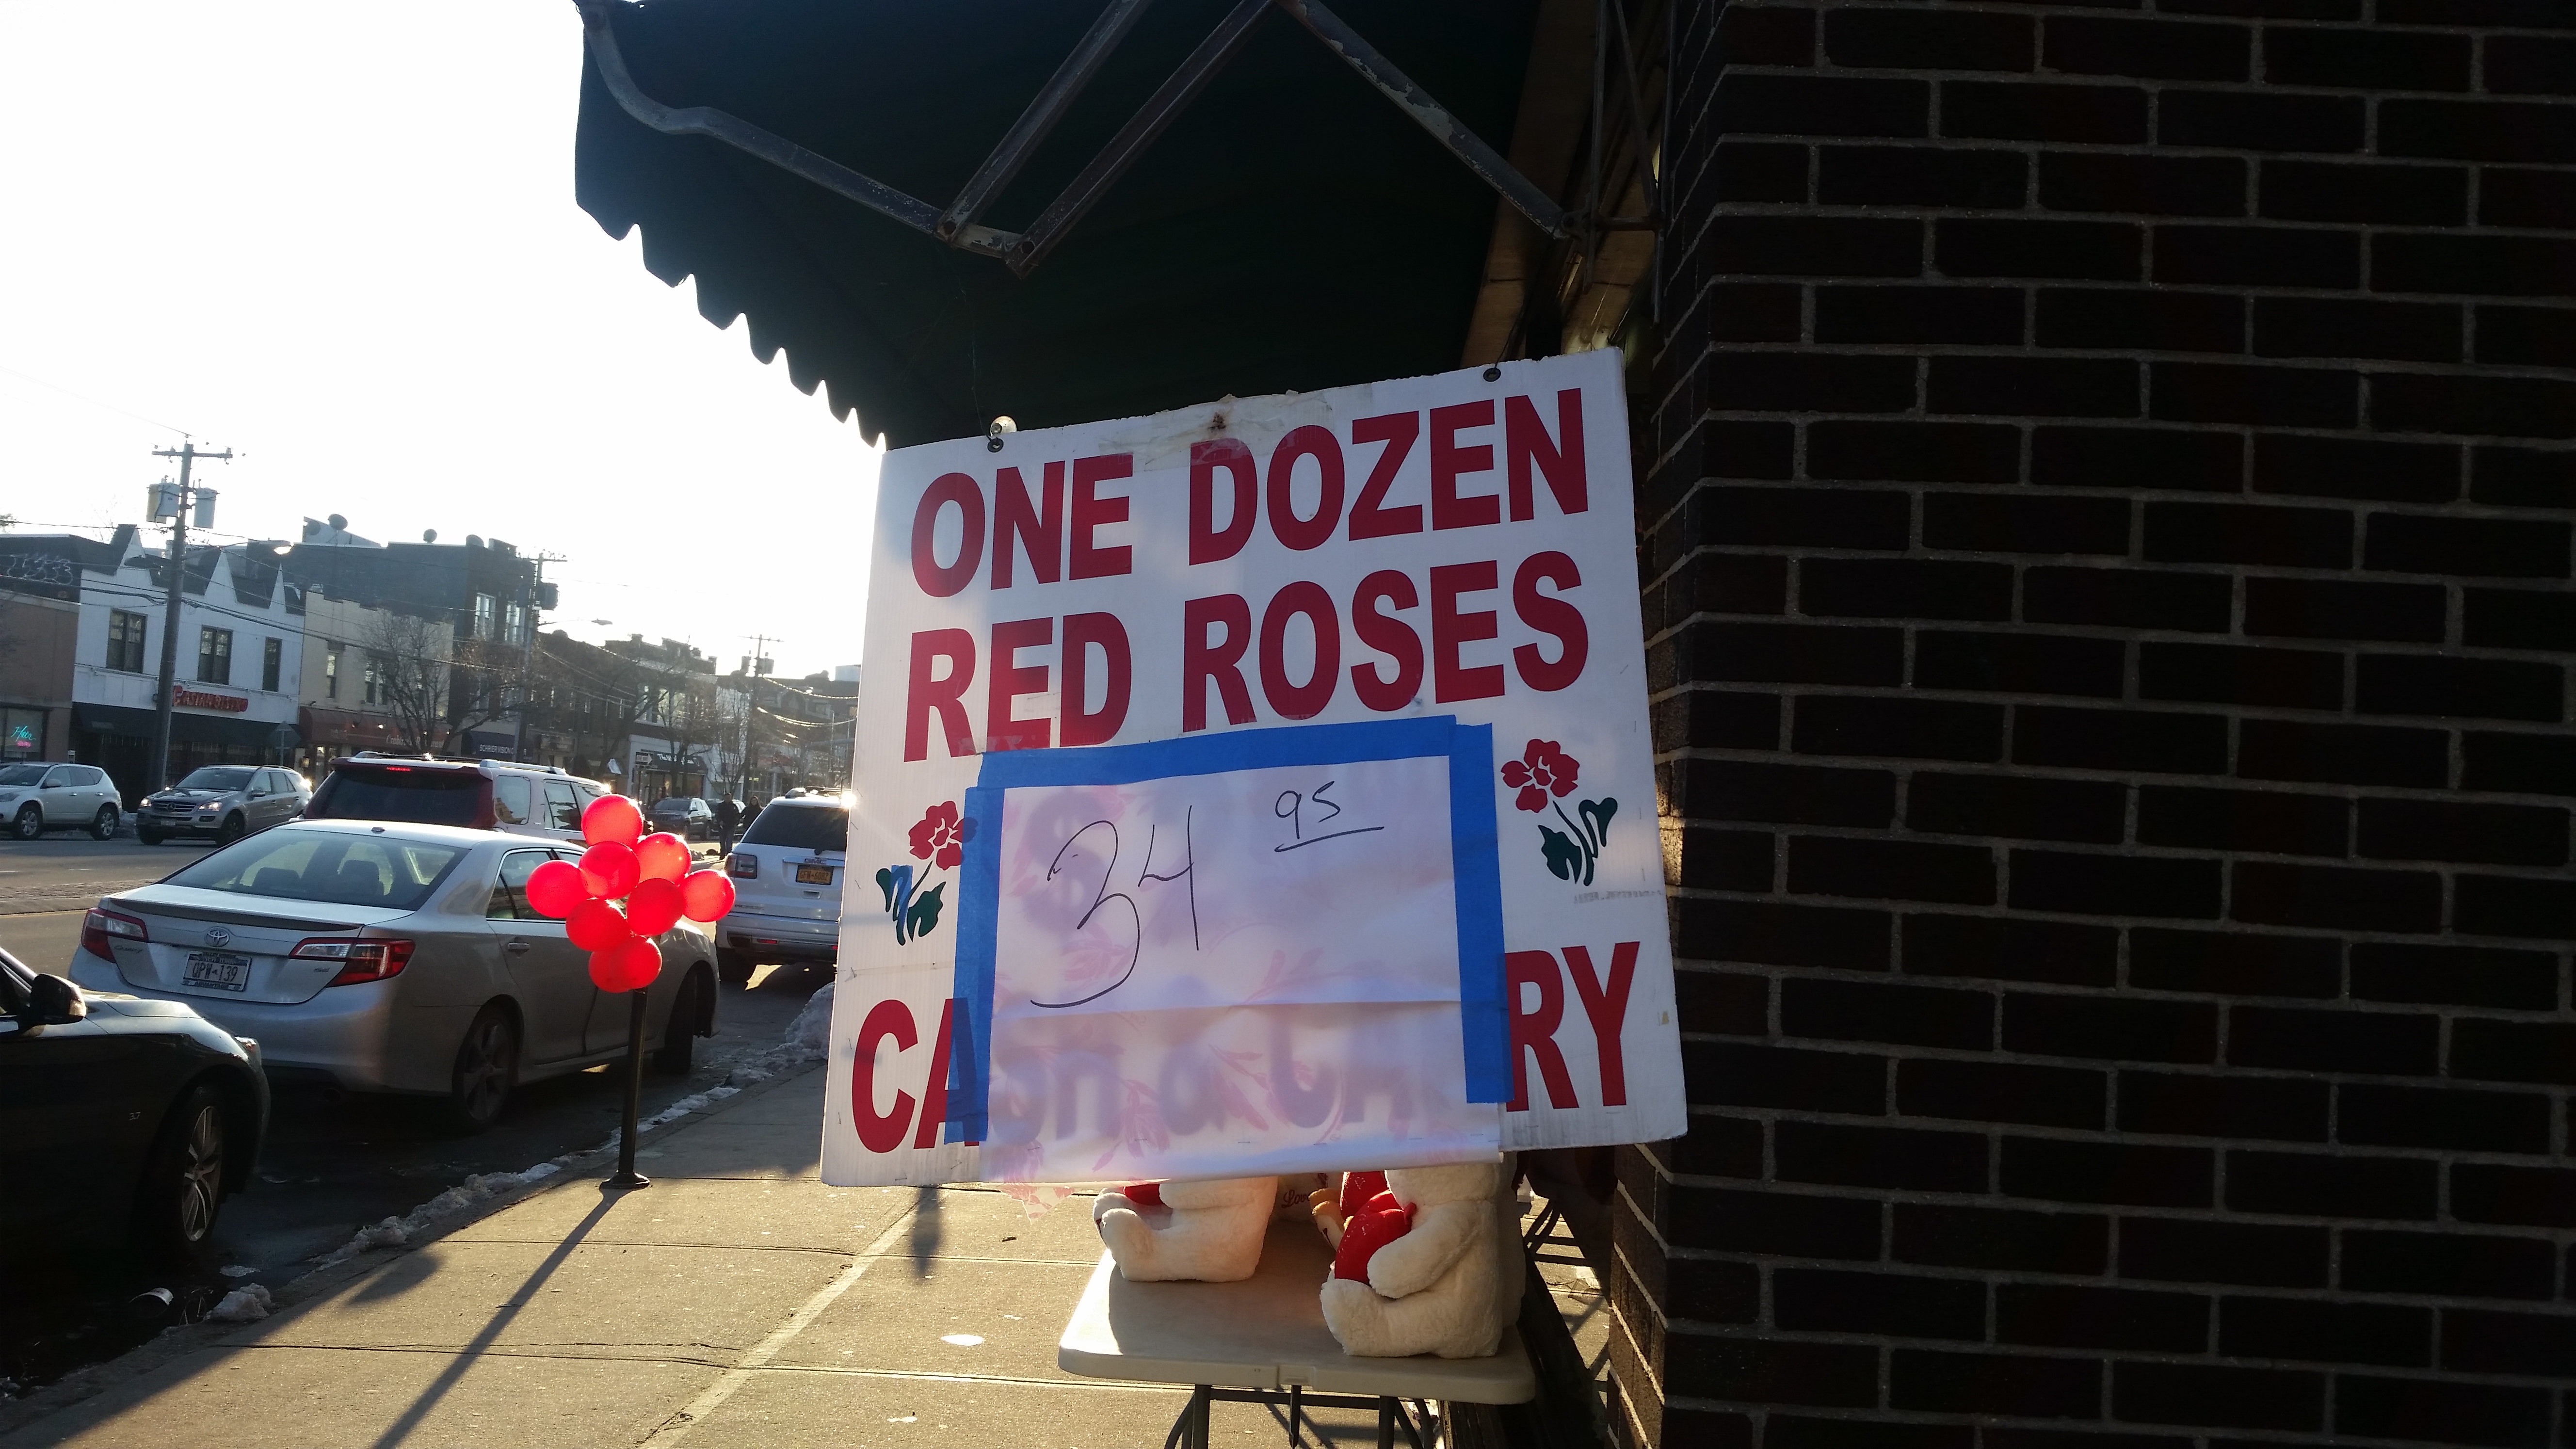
pixel 1241 600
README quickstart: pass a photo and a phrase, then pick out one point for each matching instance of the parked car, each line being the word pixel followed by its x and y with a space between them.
pixel 685 816
pixel 388 958
pixel 224 801
pixel 534 800
pixel 121 1116
pixel 786 873
pixel 35 798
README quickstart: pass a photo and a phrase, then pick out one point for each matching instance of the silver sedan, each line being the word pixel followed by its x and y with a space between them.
pixel 389 958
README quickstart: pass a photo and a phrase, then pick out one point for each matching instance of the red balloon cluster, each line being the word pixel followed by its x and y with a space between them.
pixel 650 873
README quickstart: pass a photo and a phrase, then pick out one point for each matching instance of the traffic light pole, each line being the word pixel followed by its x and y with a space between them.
pixel 175 574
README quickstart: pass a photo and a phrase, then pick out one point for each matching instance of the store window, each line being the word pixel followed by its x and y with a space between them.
pixel 125 641
pixel 22 734
pixel 331 671
pixel 486 609
pixel 270 660
pixel 515 621
pixel 376 691
pixel 214 656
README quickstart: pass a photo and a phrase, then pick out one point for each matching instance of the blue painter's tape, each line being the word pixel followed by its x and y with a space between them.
pixel 979 883
pixel 1477 878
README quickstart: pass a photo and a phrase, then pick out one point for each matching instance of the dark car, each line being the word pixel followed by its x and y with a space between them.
pixel 120 1115
pixel 685 816
pixel 537 800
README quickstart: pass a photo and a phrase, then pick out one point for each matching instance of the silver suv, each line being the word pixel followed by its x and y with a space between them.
pixel 787 887
pixel 224 801
pixel 36 797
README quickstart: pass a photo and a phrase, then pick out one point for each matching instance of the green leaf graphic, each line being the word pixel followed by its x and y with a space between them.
pixel 1596 818
pixel 885 883
pixel 1564 857
pixel 925 910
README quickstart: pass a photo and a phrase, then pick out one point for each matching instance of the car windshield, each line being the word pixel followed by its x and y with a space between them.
pixel 432 797
pixel 327 867
pixel 801 827
pixel 22 774
pixel 216 777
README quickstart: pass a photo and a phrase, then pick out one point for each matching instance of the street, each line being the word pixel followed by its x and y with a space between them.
pixel 332 1163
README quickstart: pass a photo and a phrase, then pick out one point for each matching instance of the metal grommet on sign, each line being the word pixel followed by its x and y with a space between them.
pixel 993 434
pixel 1494 374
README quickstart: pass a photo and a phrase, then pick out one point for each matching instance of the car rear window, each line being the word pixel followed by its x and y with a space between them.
pixel 325 867
pixel 801 827
pixel 429 797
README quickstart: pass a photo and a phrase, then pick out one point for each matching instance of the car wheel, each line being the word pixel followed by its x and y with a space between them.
pixel 680 1034
pixel 104 827
pixel 734 967
pixel 30 822
pixel 148 837
pixel 234 828
pixel 487 1069
pixel 183 1183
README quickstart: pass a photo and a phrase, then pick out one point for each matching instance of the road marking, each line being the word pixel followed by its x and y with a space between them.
pixel 676 1427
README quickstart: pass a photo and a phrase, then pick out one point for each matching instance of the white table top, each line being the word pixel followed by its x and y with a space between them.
pixel 1266 1332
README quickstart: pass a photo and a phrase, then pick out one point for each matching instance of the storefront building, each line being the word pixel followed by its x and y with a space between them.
pixel 39 627
pixel 240 662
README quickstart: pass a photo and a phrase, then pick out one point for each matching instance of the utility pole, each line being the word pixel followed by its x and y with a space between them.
pixel 532 587
pixel 175 575
pixel 754 665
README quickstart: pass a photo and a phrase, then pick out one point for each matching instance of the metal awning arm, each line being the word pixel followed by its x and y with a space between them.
pixel 1043 112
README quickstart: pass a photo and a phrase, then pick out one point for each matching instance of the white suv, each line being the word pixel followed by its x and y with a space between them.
pixel 787 887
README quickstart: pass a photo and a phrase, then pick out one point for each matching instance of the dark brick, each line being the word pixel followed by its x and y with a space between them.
pixel 2010 949
pixel 1766 35
pixel 1893 869
pixel 2259 121
pixel 2441 1118
pixel 2513 407
pixel 1723 1001
pixel 1809 382
pixel 2544 199
pixel 1927 452
pixel 1794 654
pixel 1716 583
pixel 2106 1172
pixel 2329 897
pixel 1725 860
pixel 2273 1108
pixel 2538 1196
pixel 2478 130
pixel 1787 794
pixel 2272 821
pixel 1974 315
pixel 1994 1383
pixel 2209 392
pixel 2190 1250
pixel 2033 386
pixel 1885 1157
pixel 2508 906
pixel 1811 1300
pixel 1999 1092
pixel 2009 1239
pixel 1905 588
pixel 2096 739
pixel 2520 764
pixel 2084 250
pixel 2269 749
pixel 1914 729
pixel 2509 1343
pixel 2488 547
pixel 1736 1220
pixel 2514 1051
pixel 2159 320
pixel 1888 1012
pixel 2046 524
pixel 1807 517
pixel 2157 49
pixel 2136 458
pixel 1920 176
pixel 1730 449
pixel 1752 104
pixel 2356 468
pixel 2454 830
pixel 1815 246
pixel 2526 337
pixel 2454 976
pixel 1915 40
pixel 2314 1185
pixel 2450 1413
pixel 1784 1431
pixel 2111 1028
pixel 2016 806
pixel 2069 1317
pixel 2017 663
pixel 2339 609
pixel 2447 1264
pixel 2529 65
pixel 2281 9
pixel 2258 256
pixel 2352 327
pixel 2377 1043
pixel 2241 1398
pixel 1718 719
pixel 2509 266
pixel 2369 60
pixel 2153 185
pixel 1764 1371
pixel 1777 933
pixel 1755 171
pixel 2024 111
pixel 2248 533
pixel 2126 598
pixel 2307 1328
pixel 2527 476
pixel 2364 191
pixel 2235 963
pixel 1717 1292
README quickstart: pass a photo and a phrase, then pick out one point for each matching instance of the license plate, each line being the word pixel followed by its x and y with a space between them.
pixel 813 875
pixel 221 970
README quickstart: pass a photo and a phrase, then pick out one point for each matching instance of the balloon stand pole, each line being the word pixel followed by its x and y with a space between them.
pixel 627 1176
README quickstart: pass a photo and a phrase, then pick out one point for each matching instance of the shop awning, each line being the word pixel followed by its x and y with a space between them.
pixel 117 719
pixel 1291 229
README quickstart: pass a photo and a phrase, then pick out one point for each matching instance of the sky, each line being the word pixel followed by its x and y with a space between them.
pixel 340 240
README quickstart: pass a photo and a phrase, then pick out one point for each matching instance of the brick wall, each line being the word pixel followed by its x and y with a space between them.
pixel 2106 505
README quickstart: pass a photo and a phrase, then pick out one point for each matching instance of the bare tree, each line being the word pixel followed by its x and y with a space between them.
pixel 408 666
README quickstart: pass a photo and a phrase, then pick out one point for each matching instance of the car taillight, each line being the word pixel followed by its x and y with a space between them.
pixel 359 960
pixel 742 865
pixel 100 931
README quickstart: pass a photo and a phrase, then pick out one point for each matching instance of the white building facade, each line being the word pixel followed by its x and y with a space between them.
pixel 239 672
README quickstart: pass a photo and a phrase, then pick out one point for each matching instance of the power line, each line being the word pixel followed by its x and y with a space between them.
pixel 94 402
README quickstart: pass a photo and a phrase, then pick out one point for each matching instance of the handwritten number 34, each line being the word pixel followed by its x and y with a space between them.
pixel 1102 897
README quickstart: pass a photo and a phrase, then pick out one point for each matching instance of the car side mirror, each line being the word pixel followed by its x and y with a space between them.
pixel 54 1001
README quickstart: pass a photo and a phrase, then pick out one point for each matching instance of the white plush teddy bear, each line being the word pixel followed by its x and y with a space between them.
pixel 1213 1234
pixel 1448 1283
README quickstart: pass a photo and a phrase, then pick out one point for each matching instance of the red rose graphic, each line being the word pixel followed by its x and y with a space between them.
pixel 937 836
pixel 1541 771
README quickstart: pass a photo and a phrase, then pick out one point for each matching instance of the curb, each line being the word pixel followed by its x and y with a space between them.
pixel 180 1342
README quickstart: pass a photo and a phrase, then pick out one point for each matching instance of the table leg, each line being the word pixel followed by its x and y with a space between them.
pixel 1198 1418
pixel 1387 1409
pixel 1296 1410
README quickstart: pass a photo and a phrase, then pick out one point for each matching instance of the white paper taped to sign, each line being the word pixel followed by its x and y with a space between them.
pixel 1450 553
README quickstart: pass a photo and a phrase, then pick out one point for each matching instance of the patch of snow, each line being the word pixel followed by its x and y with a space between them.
pixel 237 1270
pixel 473 1192
pixel 247 1304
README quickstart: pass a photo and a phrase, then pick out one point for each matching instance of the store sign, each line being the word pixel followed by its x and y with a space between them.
pixel 1258 786
pixel 186 698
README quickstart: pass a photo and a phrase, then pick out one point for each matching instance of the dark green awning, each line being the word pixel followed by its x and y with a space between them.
pixel 1292 230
